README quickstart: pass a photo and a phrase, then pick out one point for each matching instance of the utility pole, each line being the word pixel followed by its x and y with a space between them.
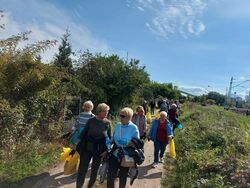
pixel 228 93
pixel 230 88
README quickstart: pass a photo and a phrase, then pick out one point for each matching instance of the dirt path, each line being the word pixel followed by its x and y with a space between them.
pixel 148 177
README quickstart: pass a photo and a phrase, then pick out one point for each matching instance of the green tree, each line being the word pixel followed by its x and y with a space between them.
pixel 111 79
pixel 155 89
pixel 63 58
pixel 217 97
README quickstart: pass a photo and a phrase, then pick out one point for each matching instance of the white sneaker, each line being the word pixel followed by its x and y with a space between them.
pixel 154 165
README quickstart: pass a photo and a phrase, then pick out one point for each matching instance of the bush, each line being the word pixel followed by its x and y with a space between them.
pixel 15 133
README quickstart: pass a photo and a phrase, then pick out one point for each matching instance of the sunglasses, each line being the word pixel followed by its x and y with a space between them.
pixel 122 116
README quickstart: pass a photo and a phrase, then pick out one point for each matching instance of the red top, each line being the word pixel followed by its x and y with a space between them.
pixel 161 134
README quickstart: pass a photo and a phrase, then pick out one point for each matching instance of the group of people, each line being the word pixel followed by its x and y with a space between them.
pixel 91 138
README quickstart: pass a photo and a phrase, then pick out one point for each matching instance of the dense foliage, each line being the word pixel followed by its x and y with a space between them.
pixel 111 79
pixel 212 149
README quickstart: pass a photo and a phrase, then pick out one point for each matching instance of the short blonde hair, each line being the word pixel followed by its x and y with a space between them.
pixel 164 113
pixel 101 107
pixel 88 103
pixel 127 112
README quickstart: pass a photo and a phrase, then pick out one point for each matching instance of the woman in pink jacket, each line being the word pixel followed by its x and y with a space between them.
pixel 139 119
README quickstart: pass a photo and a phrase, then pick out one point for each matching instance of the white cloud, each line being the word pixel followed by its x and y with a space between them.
pixel 49 22
pixel 171 17
pixel 140 8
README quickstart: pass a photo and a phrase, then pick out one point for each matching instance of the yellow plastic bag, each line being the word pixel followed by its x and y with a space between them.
pixel 71 165
pixel 157 115
pixel 65 154
pixel 172 149
pixel 149 118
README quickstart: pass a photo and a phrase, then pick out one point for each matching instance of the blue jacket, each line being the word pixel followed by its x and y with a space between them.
pixel 123 134
pixel 153 130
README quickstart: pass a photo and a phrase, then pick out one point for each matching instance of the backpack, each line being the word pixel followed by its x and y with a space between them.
pixel 164 107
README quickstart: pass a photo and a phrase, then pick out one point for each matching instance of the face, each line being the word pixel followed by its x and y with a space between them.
pixel 87 108
pixel 140 112
pixel 162 118
pixel 124 118
pixel 103 114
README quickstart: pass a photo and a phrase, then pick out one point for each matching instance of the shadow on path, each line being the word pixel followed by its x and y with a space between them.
pixel 43 180
pixel 143 173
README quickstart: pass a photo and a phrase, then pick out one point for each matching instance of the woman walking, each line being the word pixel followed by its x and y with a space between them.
pixel 139 119
pixel 124 132
pixel 160 133
pixel 92 145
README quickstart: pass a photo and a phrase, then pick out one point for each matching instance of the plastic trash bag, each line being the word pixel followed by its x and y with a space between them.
pixel 179 126
pixel 172 149
pixel 65 153
pixel 103 170
pixel 133 174
pixel 157 115
pixel 71 164
pixel 149 118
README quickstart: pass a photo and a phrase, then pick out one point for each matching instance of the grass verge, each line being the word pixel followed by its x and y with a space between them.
pixel 212 149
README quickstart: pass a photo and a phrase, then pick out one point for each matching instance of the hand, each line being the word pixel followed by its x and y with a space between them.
pixel 64 142
pixel 131 144
pixel 104 155
pixel 72 152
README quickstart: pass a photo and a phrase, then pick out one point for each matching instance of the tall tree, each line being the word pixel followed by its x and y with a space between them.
pixel 111 79
pixel 63 58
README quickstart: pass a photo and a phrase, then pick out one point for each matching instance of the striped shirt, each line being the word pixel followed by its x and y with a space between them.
pixel 82 120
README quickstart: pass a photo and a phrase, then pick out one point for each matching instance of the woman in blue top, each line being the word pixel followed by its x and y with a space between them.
pixel 123 133
pixel 160 133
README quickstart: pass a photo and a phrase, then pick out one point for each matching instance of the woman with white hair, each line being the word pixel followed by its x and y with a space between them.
pixel 124 132
pixel 160 133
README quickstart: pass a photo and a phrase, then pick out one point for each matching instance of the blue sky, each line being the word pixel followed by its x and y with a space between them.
pixel 191 43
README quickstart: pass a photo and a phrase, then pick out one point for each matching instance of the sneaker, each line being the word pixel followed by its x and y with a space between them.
pixel 161 160
pixel 154 165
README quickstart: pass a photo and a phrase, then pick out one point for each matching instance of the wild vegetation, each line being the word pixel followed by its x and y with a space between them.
pixel 33 97
pixel 212 149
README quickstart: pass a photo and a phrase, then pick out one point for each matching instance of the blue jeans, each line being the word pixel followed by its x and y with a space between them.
pixel 159 146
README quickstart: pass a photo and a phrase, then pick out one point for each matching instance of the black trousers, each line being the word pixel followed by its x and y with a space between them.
pixel 114 165
pixel 85 158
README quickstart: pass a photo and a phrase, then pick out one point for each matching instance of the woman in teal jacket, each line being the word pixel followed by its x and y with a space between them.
pixel 160 133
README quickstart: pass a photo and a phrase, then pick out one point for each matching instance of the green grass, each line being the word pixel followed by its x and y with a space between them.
pixel 212 149
pixel 27 162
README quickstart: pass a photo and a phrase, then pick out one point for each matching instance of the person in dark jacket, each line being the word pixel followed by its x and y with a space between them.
pixel 173 116
pixel 152 106
pixel 94 147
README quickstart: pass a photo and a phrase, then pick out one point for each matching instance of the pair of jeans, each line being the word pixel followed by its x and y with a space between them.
pixel 159 146
pixel 114 165
pixel 85 158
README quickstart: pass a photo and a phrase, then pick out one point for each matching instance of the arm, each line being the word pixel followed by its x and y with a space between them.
pixel 145 125
pixel 169 131
pixel 136 133
pixel 83 134
pixel 109 131
pixel 151 130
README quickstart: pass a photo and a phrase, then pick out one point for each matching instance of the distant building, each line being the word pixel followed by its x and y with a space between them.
pixel 239 102
pixel 248 98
